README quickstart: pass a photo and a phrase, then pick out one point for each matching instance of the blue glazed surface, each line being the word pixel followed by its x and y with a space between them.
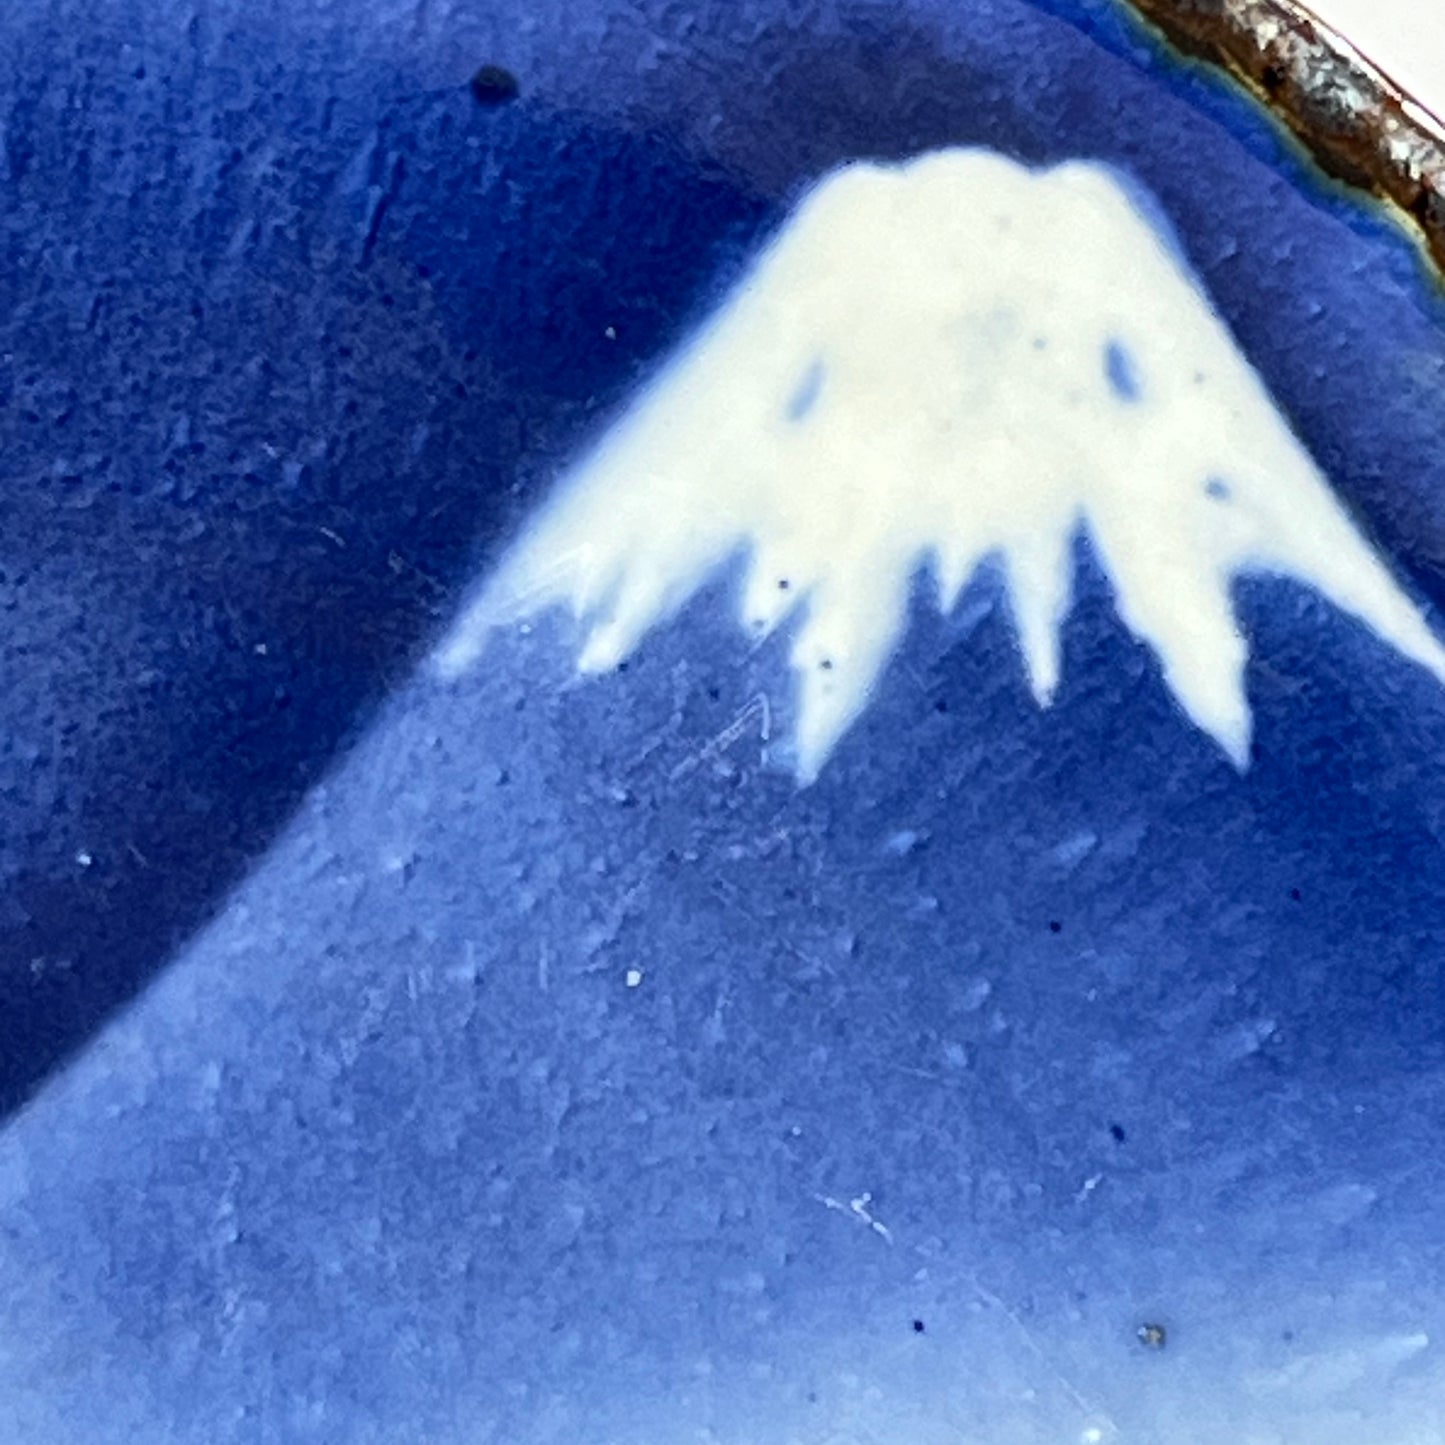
pixel 273 279
pixel 295 331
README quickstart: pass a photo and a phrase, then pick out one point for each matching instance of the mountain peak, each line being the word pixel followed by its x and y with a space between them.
pixel 931 364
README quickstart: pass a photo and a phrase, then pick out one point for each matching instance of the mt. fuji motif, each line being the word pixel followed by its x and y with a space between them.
pixel 933 364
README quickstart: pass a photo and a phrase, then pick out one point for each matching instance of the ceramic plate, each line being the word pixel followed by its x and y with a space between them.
pixel 719 727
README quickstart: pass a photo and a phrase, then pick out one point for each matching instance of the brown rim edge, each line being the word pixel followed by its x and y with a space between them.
pixel 1359 125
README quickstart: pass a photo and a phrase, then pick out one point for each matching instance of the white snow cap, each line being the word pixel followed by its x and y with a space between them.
pixel 933 363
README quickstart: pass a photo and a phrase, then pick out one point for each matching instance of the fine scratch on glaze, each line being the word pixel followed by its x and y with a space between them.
pixel 934 363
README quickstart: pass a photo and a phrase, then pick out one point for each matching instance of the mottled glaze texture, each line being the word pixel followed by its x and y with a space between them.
pixel 520 1061
pixel 273 278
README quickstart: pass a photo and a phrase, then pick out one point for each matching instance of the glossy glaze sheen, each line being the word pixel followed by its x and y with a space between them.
pixel 932 366
pixel 1354 119
pixel 560 1072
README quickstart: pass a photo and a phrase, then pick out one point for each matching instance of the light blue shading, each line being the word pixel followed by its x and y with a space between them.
pixel 809 390
pixel 1123 373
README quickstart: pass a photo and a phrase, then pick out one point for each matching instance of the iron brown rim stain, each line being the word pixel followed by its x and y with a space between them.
pixel 1358 124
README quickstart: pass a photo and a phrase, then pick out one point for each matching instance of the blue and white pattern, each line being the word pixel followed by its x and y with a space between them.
pixel 505 1057
pixel 933 365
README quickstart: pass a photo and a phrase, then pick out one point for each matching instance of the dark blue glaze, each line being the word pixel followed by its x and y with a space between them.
pixel 271 278
pixel 295 331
